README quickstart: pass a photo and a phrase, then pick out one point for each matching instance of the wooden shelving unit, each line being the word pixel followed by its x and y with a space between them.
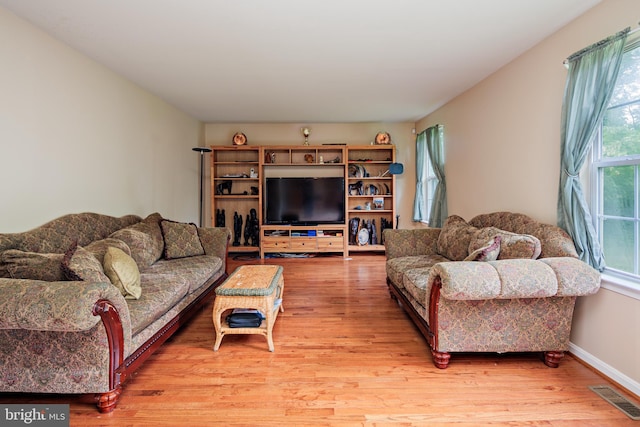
pixel 369 193
pixel 233 166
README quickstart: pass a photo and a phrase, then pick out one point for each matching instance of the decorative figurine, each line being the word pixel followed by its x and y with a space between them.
pixel 220 218
pixel 237 228
pixel 306 132
pixel 353 230
pixel 247 231
pixel 384 224
pixel 255 228
pixel 374 234
pixel 224 185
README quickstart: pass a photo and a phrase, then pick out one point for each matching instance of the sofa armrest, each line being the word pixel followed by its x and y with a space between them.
pixel 575 277
pixel 398 243
pixel 515 278
pixel 215 240
pixel 57 306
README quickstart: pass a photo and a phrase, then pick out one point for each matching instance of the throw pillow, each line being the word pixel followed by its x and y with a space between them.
pixel 80 264
pixel 512 245
pixel 180 239
pixel 32 265
pixel 489 252
pixel 455 236
pixel 141 244
pixel 99 247
pixel 123 272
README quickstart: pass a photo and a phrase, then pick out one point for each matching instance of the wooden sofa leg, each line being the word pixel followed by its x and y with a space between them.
pixel 552 358
pixel 106 402
pixel 440 359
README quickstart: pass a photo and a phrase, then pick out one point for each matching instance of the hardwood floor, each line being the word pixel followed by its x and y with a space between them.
pixel 345 355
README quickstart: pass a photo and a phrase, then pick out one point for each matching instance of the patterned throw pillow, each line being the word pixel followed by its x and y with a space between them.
pixel 489 252
pixel 512 246
pixel 80 264
pixel 123 272
pixel 454 238
pixel 32 265
pixel 180 239
pixel 99 247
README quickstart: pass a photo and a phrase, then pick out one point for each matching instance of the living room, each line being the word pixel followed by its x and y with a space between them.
pixel 79 137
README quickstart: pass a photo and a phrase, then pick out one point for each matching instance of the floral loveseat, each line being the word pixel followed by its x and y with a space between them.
pixel 501 283
pixel 86 298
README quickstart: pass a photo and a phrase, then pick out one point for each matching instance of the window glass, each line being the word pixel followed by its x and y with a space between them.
pixel 617 171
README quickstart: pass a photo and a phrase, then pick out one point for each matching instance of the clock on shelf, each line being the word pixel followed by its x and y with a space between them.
pixel 239 138
pixel 383 138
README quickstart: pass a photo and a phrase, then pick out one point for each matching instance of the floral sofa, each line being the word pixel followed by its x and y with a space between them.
pixel 502 282
pixel 86 298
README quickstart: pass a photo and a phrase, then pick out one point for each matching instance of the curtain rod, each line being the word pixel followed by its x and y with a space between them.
pixel 630 32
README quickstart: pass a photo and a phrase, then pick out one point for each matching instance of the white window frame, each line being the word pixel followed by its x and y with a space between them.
pixel 614 279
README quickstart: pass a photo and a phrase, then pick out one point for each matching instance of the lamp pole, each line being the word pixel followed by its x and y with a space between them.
pixel 201 150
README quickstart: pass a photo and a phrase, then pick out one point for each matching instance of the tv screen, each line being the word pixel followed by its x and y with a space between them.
pixel 304 201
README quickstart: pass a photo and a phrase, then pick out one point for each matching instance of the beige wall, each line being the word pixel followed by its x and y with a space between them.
pixel 76 137
pixel 502 153
pixel 327 133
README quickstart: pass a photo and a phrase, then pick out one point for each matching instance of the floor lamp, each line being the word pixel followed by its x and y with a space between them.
pixel 202 150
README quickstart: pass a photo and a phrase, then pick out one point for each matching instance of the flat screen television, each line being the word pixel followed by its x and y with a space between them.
pixel 304 201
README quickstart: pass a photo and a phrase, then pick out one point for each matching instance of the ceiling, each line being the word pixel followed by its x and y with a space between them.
pixel 302 61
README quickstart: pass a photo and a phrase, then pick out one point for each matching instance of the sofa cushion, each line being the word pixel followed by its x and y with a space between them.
pixel 454 238
pixel 144 239
pixel 80 264
pixel 160 292
pixel 32 265
pixel 415 282
pixel 181 240
pixel 489 252
pixel 123 272
pixel 99 247
pixel 512 245
pixel 195 271
pixel 397 267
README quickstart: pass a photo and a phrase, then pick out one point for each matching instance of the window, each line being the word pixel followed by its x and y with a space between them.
pixel 428 186
pixel 616 171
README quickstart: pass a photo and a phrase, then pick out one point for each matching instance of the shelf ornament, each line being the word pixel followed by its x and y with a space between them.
pixel 239 138
pixel 383 138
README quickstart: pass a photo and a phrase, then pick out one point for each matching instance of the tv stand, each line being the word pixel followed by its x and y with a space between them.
pixel 323 238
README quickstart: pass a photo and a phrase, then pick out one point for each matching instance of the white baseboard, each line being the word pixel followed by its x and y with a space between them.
pixel 605 369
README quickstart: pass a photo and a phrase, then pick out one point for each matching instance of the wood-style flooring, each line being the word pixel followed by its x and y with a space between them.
pixel 345 355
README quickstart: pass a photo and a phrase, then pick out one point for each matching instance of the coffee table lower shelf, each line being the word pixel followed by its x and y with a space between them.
pixel 243 280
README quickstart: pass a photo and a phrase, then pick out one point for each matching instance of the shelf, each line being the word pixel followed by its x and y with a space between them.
pixel 365 248
pixel 236 196
pixel 230 178
pixel 243 248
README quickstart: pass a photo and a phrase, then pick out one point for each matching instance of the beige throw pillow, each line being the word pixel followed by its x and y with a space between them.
pixel 123 272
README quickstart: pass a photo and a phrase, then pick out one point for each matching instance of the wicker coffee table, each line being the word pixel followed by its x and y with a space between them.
pixel 252 287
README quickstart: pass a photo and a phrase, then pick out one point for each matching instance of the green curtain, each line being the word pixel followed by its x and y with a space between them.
pixel 590 82
pixel 420 203
pixel 431 142
pixel 435 147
